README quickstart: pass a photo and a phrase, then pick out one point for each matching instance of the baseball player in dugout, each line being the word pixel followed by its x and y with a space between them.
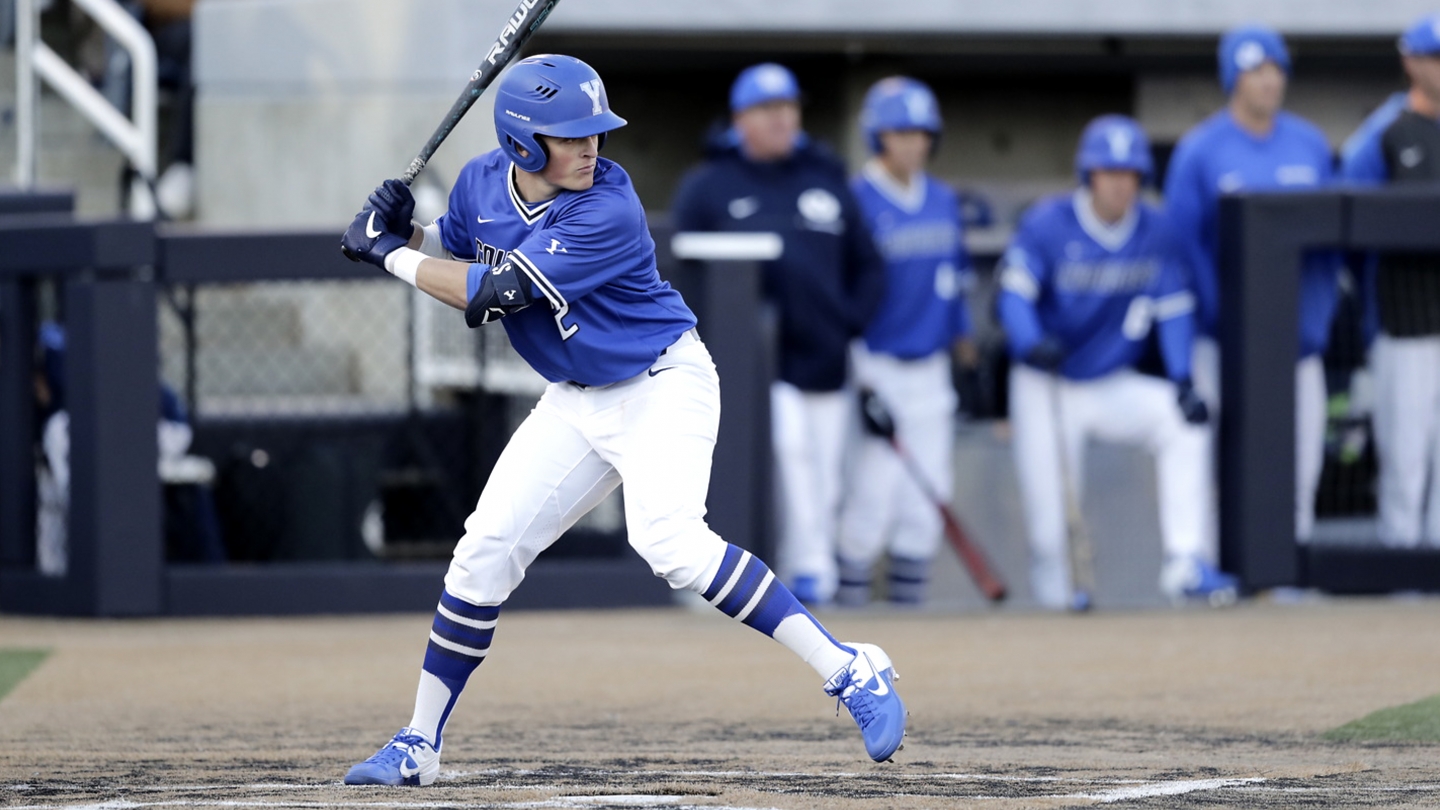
pixel 904 355
pixel 549 238
pixel 1400 143
pixel 765 174
pixel 1254 145
pixel 1086 278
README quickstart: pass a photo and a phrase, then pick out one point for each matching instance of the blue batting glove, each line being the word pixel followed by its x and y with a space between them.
pixel 366 240
pixel 1192 407
pixel 395 204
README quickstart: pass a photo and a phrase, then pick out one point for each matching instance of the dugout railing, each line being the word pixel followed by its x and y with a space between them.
pixel 1262 239
pixel 111 276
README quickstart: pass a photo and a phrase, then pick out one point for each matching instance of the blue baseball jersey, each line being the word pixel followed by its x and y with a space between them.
pixel 1219 157
pixel 601 312
pixel 918 234
pixel 1097 288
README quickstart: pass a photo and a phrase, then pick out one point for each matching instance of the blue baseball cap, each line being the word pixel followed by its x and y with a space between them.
pixel 1248 47
pixel 1422 38
pixel 761 83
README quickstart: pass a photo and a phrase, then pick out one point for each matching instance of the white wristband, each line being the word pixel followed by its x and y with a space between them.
pixel 404 264
pixel 431 243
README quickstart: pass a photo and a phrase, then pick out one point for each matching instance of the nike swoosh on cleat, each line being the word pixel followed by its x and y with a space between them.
pixel 880 690
pixel 655 371
pixel 370 227
pixel 406 771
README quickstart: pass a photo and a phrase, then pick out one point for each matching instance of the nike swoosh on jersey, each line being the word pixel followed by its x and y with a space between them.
pixel 655 371
pixel 483 220
pixel 370 227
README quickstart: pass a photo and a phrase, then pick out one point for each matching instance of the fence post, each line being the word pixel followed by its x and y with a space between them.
pixel 1262 238
pixel 116 535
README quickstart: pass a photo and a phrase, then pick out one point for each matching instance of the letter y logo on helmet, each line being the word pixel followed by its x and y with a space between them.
pixel 592 89
pixel 1120 141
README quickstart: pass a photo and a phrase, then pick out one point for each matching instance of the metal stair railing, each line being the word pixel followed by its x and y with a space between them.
pixel 136 137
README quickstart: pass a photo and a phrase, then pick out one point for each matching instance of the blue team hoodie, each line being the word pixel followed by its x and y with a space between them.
pixel 830 278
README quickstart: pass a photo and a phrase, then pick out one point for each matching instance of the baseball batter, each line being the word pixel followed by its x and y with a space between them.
pixel 904 355
pixel 1400 143
pixel 549 238
pixel 1082 283
pixel 1253 145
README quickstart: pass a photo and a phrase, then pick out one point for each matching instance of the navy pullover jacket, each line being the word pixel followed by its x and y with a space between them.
pixel 830 278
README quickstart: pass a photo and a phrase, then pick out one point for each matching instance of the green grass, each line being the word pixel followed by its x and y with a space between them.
pixel 1413 722
pixel 15 665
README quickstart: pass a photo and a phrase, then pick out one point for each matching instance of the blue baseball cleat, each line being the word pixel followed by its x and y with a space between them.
pixel 867 688
pixel 1188 580
pixel 408 759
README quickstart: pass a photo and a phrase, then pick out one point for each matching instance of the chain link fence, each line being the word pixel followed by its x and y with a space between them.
pixel 347 419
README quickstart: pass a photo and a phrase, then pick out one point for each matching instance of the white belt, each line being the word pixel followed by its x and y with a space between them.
pixel 686 338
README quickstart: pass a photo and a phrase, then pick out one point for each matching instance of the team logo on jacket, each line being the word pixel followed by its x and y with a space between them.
pixel 744 207
pixel 821 210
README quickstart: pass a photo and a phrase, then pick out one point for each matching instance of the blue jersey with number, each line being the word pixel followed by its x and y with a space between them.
pixel 601 314
pixel 1219 157
pixel 917 231
pixel 1097 288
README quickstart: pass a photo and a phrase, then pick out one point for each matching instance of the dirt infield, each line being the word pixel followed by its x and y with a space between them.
pixel 672 708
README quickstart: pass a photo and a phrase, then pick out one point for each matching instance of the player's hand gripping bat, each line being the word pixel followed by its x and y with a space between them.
pixel 520 25
pixel 879 422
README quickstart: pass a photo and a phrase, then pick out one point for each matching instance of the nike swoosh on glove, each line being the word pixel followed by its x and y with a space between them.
pixel 366 240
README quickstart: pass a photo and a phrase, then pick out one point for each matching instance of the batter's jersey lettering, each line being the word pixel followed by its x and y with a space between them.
pixel 1096 288
pixel 602 314
pixel 917 231
pixel 1219 157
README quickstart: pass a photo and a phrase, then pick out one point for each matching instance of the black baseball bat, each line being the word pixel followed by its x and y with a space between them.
pixel 519 27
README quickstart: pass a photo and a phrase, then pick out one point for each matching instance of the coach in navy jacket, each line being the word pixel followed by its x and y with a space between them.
pixel 765 175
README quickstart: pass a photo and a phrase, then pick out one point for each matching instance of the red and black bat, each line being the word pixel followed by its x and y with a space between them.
pixel 879 422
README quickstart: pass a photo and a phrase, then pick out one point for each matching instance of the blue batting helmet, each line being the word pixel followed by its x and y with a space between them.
pixel 1113 142
pixel 1248 47
pixel 898 103
pixel 559 96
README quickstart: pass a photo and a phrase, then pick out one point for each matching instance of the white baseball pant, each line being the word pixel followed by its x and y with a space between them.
pixel 809 430
pixel 1126 407
pixel 655 432
pixel 1407 438
pixel 1310 421
pixel 883 502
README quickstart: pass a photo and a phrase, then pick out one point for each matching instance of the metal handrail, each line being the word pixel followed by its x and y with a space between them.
pixel 136 136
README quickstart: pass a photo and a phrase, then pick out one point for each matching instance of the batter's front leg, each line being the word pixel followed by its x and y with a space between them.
pixel 547 478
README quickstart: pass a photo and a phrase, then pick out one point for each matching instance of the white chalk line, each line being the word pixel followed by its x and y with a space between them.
pixel 1154 789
